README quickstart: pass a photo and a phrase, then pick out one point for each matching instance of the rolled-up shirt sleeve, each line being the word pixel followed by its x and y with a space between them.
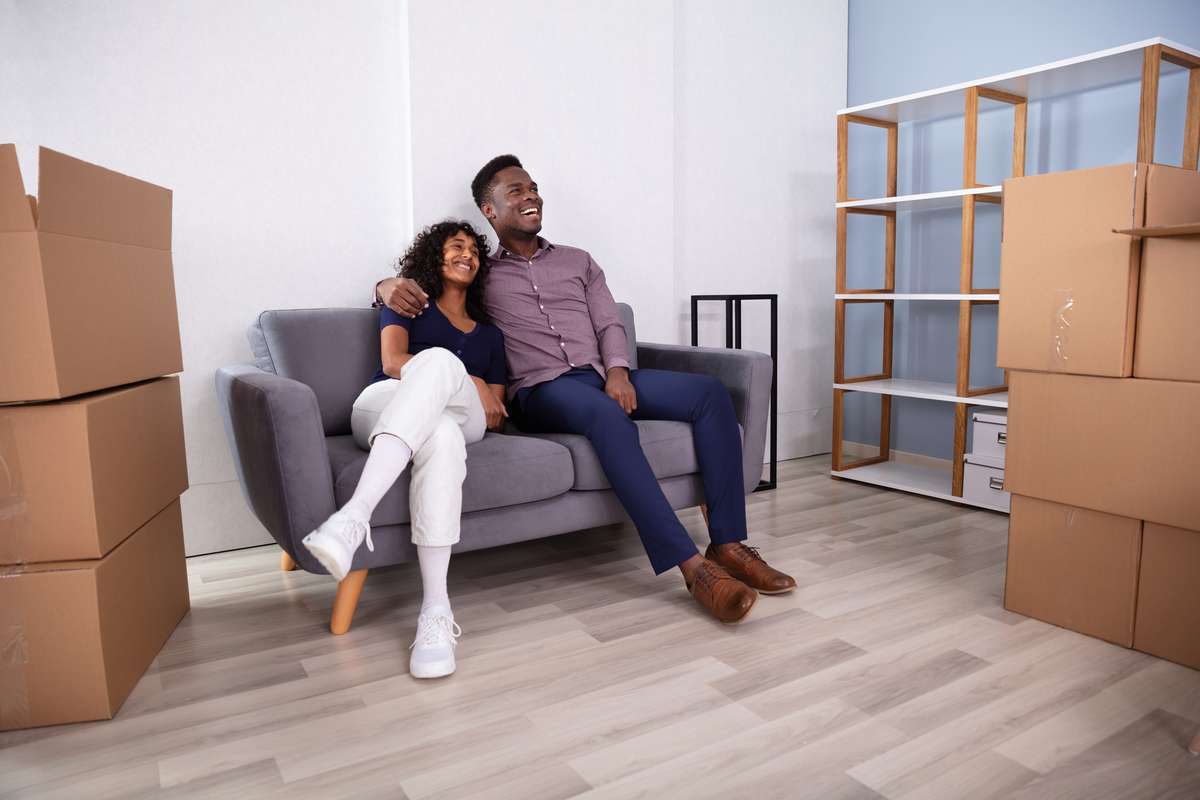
pixel 606 319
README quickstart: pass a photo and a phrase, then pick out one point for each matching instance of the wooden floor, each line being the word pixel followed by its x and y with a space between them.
pixel 891 672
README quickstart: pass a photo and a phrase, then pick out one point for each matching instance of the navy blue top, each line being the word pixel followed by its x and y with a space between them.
pixel 481 350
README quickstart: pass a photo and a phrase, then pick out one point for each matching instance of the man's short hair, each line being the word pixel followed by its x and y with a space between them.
pixel 485 179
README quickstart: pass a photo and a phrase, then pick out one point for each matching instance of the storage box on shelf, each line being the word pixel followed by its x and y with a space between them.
pixel 989 434
pixel 1136 62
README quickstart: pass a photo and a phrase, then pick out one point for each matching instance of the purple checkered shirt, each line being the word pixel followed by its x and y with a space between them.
pixel 555 312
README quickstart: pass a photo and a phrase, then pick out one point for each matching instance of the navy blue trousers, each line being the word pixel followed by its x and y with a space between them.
pixel 576 403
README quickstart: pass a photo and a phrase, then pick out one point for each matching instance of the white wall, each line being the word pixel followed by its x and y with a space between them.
pixel 757 87
pixel 282 129
pixel 689 145
pixel 582 94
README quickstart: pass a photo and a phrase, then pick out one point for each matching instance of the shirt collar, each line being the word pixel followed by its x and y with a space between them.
pixel 503 252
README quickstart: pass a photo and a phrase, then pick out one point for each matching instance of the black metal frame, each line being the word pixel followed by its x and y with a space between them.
pixel 733 339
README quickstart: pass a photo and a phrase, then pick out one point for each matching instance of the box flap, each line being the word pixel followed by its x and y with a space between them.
pixel 1187 229
pixel 15 213
pixel 1172 196
pixel 76 198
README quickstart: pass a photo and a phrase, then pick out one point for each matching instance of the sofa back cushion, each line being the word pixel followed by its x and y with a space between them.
pixel 335 351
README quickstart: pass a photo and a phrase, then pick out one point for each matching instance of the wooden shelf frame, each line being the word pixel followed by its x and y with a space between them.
pixel 1152 59
pixel 889 287
pixel 1089 71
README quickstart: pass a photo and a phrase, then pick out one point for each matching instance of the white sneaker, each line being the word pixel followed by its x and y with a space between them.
pixel 335 542
pixel 433 649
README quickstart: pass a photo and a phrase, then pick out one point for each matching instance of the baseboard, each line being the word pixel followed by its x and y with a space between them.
pixel 856 450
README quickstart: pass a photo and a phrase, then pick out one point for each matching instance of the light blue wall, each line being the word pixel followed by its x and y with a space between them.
pixel 896 48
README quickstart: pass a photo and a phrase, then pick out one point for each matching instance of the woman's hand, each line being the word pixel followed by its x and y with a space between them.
pixel 493 406
pixel 403 295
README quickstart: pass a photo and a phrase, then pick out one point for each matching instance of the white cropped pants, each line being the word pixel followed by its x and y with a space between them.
pixel 434 408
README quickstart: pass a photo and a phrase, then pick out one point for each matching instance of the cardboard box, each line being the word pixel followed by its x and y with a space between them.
pixel 79 634
pixel 87 294
pixel 1128 446
pixel 1068 281
pixel 1167 345
pixel 1074 568
pixel 1168 614
pixel 78 476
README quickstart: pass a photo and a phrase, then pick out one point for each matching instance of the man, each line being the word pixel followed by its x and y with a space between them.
pixel 569 373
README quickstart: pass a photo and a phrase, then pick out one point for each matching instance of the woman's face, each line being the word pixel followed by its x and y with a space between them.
pixel 460 259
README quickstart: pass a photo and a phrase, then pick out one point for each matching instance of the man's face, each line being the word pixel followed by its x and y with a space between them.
pixel 515 205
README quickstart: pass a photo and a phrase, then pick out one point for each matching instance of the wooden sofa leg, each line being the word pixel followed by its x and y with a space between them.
pixel 348 590
pixel 704 511
pixel 287 563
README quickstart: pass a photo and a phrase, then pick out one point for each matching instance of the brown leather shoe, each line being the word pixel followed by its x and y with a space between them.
pixel 745 564
pixel 725 597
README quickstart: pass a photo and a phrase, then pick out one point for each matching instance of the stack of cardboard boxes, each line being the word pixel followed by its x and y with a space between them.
pixel 1100 323
pixel 92 464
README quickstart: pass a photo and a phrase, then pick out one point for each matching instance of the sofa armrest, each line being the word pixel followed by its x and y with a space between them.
pixel 747 376
pixel 278 444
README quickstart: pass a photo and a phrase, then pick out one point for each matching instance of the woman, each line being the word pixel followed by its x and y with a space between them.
pixel 440 386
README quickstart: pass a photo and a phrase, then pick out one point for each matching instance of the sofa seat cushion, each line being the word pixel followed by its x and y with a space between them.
pixel 668 447
pixel 501 471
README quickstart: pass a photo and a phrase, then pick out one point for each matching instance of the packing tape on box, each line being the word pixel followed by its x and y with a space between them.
pixel 1060 328
pixel 15 525
pixel 14 655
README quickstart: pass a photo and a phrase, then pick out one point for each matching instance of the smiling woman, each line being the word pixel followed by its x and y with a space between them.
pixel 439 387
pixel 425 259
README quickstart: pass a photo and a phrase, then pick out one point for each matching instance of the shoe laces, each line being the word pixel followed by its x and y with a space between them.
pixel 745 553
pixel 706 576
pixel 349 532
pixel 433 631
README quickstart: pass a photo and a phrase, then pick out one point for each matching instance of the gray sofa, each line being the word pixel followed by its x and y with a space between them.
pixel 287 417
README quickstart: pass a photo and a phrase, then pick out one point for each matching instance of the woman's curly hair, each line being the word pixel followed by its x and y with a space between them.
pixel 423 263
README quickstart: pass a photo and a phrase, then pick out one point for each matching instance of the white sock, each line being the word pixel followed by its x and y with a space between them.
pixel 435 563
pixel 389 456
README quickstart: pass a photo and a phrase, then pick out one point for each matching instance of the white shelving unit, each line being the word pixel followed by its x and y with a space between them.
pixel 1135 62
pixel 931 201
pixel 917 296
pixel 924 390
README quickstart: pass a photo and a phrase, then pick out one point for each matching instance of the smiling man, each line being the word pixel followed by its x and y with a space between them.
pixel 569 373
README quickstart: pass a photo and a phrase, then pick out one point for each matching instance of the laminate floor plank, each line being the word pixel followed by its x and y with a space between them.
pixel 893 671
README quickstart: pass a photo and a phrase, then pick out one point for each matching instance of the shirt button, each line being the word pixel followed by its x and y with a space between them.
pixel 542 307
pixel 535 287
pixel 551 327
pixel 572 363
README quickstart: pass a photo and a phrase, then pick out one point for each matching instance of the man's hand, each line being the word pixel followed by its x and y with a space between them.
pixel 620 389
pixel 493 407
pixel 403 296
